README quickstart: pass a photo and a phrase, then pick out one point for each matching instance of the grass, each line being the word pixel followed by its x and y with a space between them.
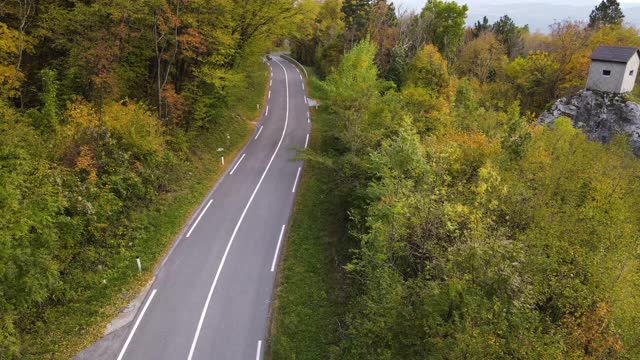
pixel 310 296
pixel 63 331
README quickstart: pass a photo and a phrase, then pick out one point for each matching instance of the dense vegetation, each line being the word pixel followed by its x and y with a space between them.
pixel 474 232
pixel 503 61
pixel 111 113
pixel 479 233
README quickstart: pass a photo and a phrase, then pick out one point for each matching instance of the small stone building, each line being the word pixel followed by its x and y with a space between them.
pixel 613 69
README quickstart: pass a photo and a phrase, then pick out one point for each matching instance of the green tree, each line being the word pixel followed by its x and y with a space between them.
pixel 465 99
pixel 356 18
pixel 47 119
pixel 608 12
pixel 444 25
pixel 257 19
pixel 483 58
pixel 31 246
pixel 533 79
pixel 510 35
pixel 353 89
pixel 429 70
pixel 302 38
pixel 480 27
pixel 320 43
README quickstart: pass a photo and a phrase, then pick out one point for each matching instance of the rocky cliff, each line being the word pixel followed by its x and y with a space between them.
pixel 600 115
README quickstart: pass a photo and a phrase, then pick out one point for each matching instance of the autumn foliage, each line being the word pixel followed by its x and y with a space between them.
pixel 104 105
pixel 482 234
pixel 474 232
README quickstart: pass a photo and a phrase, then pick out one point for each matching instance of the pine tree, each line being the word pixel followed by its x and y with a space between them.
pixel 509 34
pixel 480 27
pixel 607 13
pixel 356 18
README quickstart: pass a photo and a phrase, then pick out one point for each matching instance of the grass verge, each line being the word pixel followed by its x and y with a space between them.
pixel 310 296
pixel 63 331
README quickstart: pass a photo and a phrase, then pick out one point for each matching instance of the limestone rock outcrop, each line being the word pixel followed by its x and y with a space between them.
pixel 600 115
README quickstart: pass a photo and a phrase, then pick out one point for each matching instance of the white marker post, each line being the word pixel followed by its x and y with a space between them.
pixel 222 160
pixel 139 264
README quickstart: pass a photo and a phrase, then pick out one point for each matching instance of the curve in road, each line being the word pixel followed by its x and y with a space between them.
pixel 211 296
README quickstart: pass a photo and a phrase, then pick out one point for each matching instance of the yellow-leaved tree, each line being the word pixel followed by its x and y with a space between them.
pixel 12 43
pixel 483 58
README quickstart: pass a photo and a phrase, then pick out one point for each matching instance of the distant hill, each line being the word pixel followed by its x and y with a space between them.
pixel 539 15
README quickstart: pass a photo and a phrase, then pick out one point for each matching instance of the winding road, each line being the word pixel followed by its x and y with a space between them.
pixel 211 297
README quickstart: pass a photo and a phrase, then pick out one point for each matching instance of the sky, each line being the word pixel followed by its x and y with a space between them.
pixel 538 14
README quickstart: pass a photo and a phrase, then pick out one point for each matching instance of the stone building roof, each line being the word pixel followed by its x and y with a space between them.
pixel 619 54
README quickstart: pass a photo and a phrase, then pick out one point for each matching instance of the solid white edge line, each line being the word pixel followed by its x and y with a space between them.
pixel 235 231
pixel 275 256
pixel 267 112
pixel 258 134
pixel 175 244
pixel 296 182
pixel 306 142
pixel 238 163
pixel 198 219
pixel 135 326
pixel 259 352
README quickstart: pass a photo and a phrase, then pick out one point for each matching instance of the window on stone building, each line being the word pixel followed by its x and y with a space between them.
pixel 630 72
pixel 606 72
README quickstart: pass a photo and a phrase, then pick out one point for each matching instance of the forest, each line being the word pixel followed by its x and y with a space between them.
pixel 111 114
pixel 471 231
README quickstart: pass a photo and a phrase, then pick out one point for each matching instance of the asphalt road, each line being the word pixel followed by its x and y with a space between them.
pixel 211 297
